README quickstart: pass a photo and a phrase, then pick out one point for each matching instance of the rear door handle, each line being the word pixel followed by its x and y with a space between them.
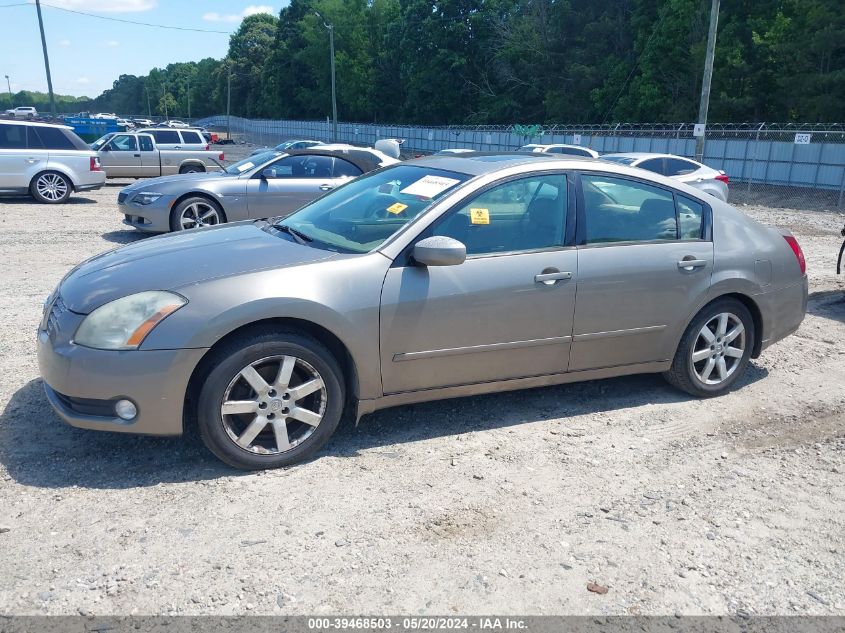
pixel 326 187
pixel 551 278
pixel 32 161
pixel 137 156
pixel 691 264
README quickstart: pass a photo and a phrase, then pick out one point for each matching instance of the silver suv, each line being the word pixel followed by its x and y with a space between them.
pixel 48 161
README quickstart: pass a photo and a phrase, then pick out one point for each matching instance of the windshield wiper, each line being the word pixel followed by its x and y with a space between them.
pixel 299 236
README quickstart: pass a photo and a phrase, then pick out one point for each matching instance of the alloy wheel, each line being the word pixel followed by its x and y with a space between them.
pixel 718 349
pixel 198 214
pixel 51 187
pixel 273 405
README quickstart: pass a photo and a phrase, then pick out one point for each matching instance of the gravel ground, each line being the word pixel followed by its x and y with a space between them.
pixel 508 503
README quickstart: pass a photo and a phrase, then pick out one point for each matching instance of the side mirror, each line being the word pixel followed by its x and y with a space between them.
pixel 439 250
pixel 268 173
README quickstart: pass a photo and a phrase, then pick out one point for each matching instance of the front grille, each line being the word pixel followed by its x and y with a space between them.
pixel 56 311
pixel 88 406
pixel 121 197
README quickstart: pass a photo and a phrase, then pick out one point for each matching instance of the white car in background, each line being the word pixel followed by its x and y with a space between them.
pixel 47 161
pixel 560 148
pixel 364 153
pixel 688 171
pixel 105 115
pixel 175 123
pixel 455 150
pixel 23 112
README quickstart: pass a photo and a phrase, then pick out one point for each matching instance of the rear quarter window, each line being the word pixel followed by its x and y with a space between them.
pixel 192 137
pixel 54 138
pixel 166 137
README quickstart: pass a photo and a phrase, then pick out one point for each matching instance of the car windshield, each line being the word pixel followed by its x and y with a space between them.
pixel 101 141
pixel 625 160
pixel 361 215
pixel 250 163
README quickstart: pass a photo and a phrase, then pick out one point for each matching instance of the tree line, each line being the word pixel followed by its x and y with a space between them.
pixel 513 61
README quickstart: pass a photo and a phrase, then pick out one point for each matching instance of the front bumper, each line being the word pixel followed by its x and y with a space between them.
pixel 82 384
pixel 152 218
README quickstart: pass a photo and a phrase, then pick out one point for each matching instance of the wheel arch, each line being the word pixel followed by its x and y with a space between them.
pixel 67 173
pixel 200 194
pixel 749 303
pixel 337 348
pixel 192 162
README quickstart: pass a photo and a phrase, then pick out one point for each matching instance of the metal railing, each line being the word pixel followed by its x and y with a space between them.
pixel 784 165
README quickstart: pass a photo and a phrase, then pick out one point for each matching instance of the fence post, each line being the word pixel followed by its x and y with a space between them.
pixel 754 160
pixel 841 188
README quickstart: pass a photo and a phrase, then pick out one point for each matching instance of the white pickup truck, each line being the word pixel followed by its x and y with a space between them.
pixel 136 156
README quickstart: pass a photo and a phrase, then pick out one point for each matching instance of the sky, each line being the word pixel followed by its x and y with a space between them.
pixel 87 54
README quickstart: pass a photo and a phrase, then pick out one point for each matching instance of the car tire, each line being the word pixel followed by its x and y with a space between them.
pixel 191 169
pixel 256 378
pixel 51 187
pixel 715 349
pixel 196 212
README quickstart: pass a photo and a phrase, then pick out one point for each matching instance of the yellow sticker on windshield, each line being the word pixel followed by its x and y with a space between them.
pixel 397 208
pixel 479 216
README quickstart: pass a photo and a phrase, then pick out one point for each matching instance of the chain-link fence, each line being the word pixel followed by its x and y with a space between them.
pixel 782 165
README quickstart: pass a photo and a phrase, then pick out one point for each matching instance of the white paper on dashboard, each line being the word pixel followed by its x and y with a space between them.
pixel 246 166
pixel 429 186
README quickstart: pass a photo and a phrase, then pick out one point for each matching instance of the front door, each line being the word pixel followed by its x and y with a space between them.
pixel 506 312
pixel 120 157
pixel 645 259
pixel 293 182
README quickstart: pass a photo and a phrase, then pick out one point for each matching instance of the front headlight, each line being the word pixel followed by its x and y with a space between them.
pixel 146 197
pixel 124 323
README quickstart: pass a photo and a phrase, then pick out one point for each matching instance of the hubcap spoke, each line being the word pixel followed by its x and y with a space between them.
pixel 707 335
pixel 255 427
pixel 237 407
pixel 736 331
pixel 306 389
pixel 208 215
pixel 722 328
pixel 285 372
pixel 708 369
pixel 280 430
pixel 701 355
pixel 255 380
pixel 304 415
pixel 733 352
pixel 723 368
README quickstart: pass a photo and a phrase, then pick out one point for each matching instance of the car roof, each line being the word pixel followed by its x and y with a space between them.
pixel 477 163
pixel 361 162
pixel 35 123
pixel 641 155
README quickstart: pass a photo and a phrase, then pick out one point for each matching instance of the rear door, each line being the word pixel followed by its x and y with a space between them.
pixel 645 257
pixel 288 183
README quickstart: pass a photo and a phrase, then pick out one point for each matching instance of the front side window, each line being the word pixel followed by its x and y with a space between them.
pixel 359 216
pixel 621 210
pixel 304 166
pixel 519 215
pixel 124 143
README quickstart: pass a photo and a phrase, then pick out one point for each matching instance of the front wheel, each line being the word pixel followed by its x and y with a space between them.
pixel 51 187
pixel 271 399
pixel 715 349
pixel 194 213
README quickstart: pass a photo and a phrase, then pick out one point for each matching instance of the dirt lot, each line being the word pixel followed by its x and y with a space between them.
pixel 508 503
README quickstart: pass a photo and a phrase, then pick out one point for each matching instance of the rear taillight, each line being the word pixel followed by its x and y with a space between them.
pixel 206 147
pixel 723 178
pixel 799 254
pixel 95 164
pixel 222 157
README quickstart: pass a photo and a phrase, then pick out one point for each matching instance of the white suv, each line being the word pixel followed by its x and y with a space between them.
pixel 167 138
pixel 23 112
pixel 48 161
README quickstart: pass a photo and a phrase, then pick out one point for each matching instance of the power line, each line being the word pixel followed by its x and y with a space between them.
pixel 103 17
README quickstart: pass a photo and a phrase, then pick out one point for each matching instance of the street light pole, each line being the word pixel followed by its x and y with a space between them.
pixel 228 103
pixel 330 28
pixel 9 86
pixel 189 98
pixel 149 107
pixel 46 59
pixel 708 76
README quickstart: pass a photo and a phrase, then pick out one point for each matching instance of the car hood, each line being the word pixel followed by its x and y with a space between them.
pixel 164 184
pixel 169 262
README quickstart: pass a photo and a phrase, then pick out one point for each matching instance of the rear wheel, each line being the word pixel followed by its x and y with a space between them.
pixel 51 187
pixel 196 212
pixel 191 169
pixel 715 349
pixel 270 400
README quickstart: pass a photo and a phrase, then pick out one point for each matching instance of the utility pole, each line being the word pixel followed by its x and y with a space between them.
pixel 228 103
pixel 330 28
pixel 149 107
pixel 708 76
pixel 189 98
pixel 164 99
pixel 9 86
pixel 46 59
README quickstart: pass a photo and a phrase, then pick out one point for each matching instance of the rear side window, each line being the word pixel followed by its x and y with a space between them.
pixel 12 137
pixel 33 141
pixel 166 137
pixel 573 151
pixel 690 217
pixel 620 210
pixel 54 138
pixel 192 137
pixel 343 168
pixel 652 164
pixel 679 167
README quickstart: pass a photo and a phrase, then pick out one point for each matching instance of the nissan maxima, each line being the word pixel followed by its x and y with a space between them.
pixel 441 277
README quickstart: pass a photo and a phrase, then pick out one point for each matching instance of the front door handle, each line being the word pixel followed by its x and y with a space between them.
pixel 691 264
pixel 137 155
pixel 326 187
pixel 551 278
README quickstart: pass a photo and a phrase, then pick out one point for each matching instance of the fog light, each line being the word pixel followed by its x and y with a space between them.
pixel 125 409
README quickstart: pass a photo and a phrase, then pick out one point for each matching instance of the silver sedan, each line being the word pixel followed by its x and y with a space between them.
pixel 686 170
pixel 442 277
pixel 272 183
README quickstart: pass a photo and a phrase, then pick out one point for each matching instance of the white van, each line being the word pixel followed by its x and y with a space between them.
pixel 47 161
